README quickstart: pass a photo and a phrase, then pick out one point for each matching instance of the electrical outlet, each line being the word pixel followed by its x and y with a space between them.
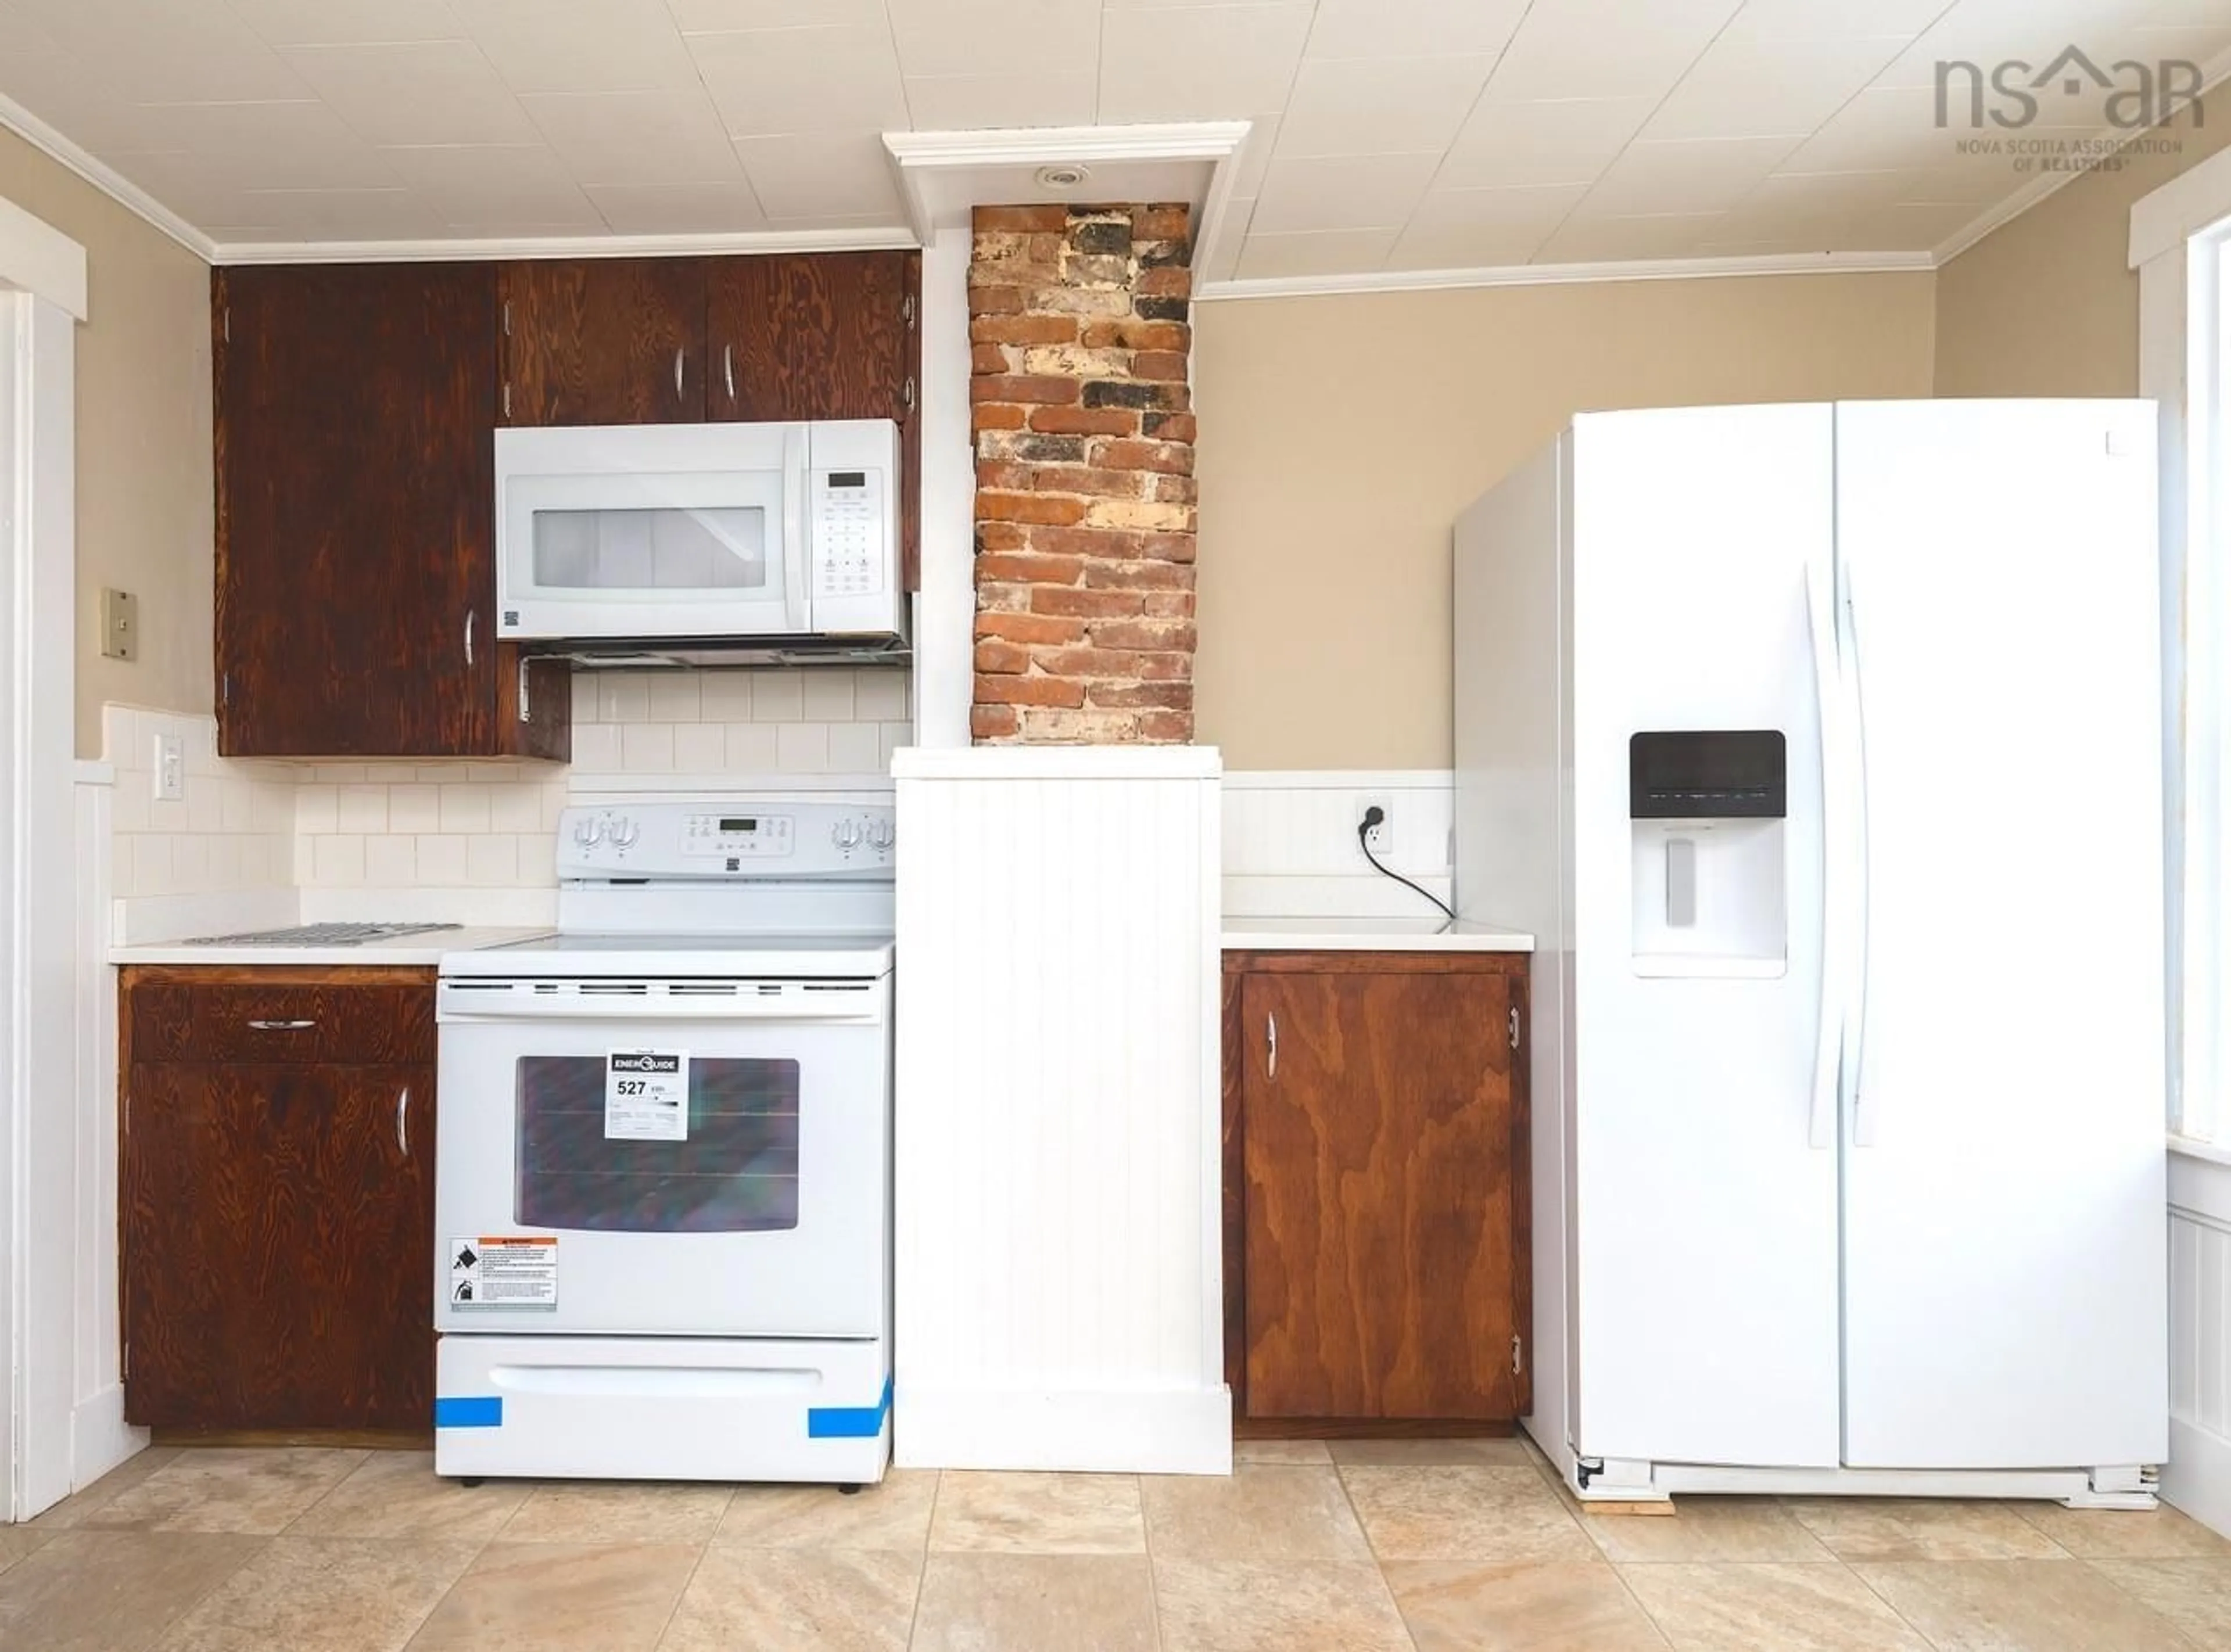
pixel 170 768
pixel 1381 836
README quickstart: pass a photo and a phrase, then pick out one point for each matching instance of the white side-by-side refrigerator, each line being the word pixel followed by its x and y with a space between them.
pixel 1822 748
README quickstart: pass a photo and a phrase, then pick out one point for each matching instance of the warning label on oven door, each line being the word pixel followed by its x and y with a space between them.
pixel 503 1273
pixel 647 1095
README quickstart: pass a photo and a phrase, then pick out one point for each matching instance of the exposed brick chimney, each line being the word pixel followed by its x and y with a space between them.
pixel 1084 488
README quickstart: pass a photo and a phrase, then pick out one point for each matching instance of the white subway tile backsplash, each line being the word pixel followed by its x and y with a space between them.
pixel 779 697
pixel 441 860
pixel 336 858
pixel 151 865
pixel 880 696
pixel 647 748
pixel 361 808
pixel 515 807
pixel 856 748
pixel 190 861
pixel 826 696
pixel 492 859
pixel 726 696
pixel 414 808
pixel 675 698
pixel 596 748
pixel 465 808
pixel 622 697
pixel 701 748
pixel 391 861
pixel 802 748
pixel 338 774
pixel 751 748
pixel 317 809
pixel 586 696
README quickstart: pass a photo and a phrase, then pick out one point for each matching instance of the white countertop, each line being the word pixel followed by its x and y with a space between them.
pixel 1370 935
pixel 422 951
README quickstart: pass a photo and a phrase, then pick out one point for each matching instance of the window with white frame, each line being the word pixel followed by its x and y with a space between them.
pixel 2181 246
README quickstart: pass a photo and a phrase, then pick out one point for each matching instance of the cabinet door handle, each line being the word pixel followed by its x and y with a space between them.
pixel 728 368
pixel 282 1026
pixel 1270 1032
pixel 471 614
pixel 677 373
pixel 402 1121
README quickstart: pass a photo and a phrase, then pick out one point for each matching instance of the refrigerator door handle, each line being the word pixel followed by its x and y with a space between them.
pixel 1855 1003
pixel 1827 1051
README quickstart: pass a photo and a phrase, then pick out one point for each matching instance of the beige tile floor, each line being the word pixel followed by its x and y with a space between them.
pixel 1437 1545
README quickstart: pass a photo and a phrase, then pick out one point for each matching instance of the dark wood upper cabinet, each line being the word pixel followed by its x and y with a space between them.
pixel 277 1214
pixel 1376 1131
pixel 810 336
pixel 605 341
pixel 355 480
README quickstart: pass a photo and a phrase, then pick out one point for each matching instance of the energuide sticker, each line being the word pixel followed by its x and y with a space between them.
pixel 501 1272
pixel 647 1095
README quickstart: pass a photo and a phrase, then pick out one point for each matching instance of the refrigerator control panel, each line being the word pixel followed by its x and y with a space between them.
pixel 1709 774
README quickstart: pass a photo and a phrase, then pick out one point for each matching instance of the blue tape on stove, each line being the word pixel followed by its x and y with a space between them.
pixel 848 1421
pixel 470 1411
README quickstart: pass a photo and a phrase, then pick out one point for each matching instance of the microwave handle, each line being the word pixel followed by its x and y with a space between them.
pixel 797 524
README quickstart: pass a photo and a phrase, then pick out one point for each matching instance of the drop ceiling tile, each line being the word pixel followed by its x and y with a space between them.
pixel 342 23
pixel 635 137
pixel 1255 151
pixel 802 79
pixel 719 16
pixel 262 145
pixel 941 37
pixel 1334 252
pixel 1785 194
pixel 1386 106
pixel 1753 89
pixel 1565 141
pixel 64 93
pixel 1913 228
pixel 347 214
pixel 677 209
pixel 428 92
pixel 1219 262
pixel 821 175
pixel 1881 128
pixel 1482 229
pixel 1348 192
pixel 960 102
pixel 1991 32
pixel 524 184
pixel 1199 62
pixel 613 46
pixel 1588 240
pixel 1695 175
pixel 1413 27
pixel 1608 48
pixel 182 51
pixel 1804 19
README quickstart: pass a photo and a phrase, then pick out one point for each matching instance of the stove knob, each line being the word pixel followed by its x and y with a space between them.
pixel 587 831
pixel 624 832
pixel 846 834
pixel 880 834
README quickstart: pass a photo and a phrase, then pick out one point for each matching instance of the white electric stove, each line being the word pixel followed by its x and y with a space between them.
pixel 663 1183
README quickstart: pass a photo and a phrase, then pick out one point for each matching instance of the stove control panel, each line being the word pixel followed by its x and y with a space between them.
pixel 725 839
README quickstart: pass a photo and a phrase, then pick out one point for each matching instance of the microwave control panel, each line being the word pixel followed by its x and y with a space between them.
pixel 848 533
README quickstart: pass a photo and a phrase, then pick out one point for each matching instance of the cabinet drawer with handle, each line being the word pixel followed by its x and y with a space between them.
pixel 281 1022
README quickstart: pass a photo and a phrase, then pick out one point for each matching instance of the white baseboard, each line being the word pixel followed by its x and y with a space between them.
pixel 2197 1476
pixel 1163 1432
pixel 101 1438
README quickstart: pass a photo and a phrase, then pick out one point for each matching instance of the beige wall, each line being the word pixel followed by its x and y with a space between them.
pixel 143 489
pixel 2047 305
pixel 1341 436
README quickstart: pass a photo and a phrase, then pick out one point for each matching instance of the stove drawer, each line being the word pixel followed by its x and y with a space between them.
pixel 284 1021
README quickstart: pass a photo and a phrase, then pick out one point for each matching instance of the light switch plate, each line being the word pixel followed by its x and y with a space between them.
pixel 119 624
pixel 170 768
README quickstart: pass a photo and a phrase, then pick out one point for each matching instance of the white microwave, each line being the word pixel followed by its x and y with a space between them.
pixel 701 542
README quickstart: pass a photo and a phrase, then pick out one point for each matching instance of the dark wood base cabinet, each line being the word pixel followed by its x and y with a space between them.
pixel 1377 1262
pixel 277 1194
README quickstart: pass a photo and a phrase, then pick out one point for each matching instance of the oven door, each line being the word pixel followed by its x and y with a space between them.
pixel 652 531
pixel 768 1217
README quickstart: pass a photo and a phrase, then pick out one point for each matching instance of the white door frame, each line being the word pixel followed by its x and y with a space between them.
pixel 43 296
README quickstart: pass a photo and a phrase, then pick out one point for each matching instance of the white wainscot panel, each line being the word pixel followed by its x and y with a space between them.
pixel 2197 1477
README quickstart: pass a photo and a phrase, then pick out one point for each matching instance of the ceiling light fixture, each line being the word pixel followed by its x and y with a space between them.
pixel 1061 177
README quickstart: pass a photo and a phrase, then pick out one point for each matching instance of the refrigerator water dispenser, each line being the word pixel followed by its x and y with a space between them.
pixel 1708 809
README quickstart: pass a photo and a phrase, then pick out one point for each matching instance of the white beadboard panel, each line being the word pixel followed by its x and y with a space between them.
pixel 2197 1477
pixel 1290 848
pixel 1058 1282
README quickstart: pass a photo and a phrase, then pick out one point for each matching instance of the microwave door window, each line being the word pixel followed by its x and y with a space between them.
pixel 671 549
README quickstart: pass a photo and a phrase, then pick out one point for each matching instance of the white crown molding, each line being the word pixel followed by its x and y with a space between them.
pixel 2006 211
pixel 103 177
pixel 941 174
pixel 1646 269
pixel 439 249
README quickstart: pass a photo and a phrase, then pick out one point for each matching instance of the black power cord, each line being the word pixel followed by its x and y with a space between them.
pixel 1373 816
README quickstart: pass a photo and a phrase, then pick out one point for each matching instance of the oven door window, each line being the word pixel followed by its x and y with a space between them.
pixel 737 1172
